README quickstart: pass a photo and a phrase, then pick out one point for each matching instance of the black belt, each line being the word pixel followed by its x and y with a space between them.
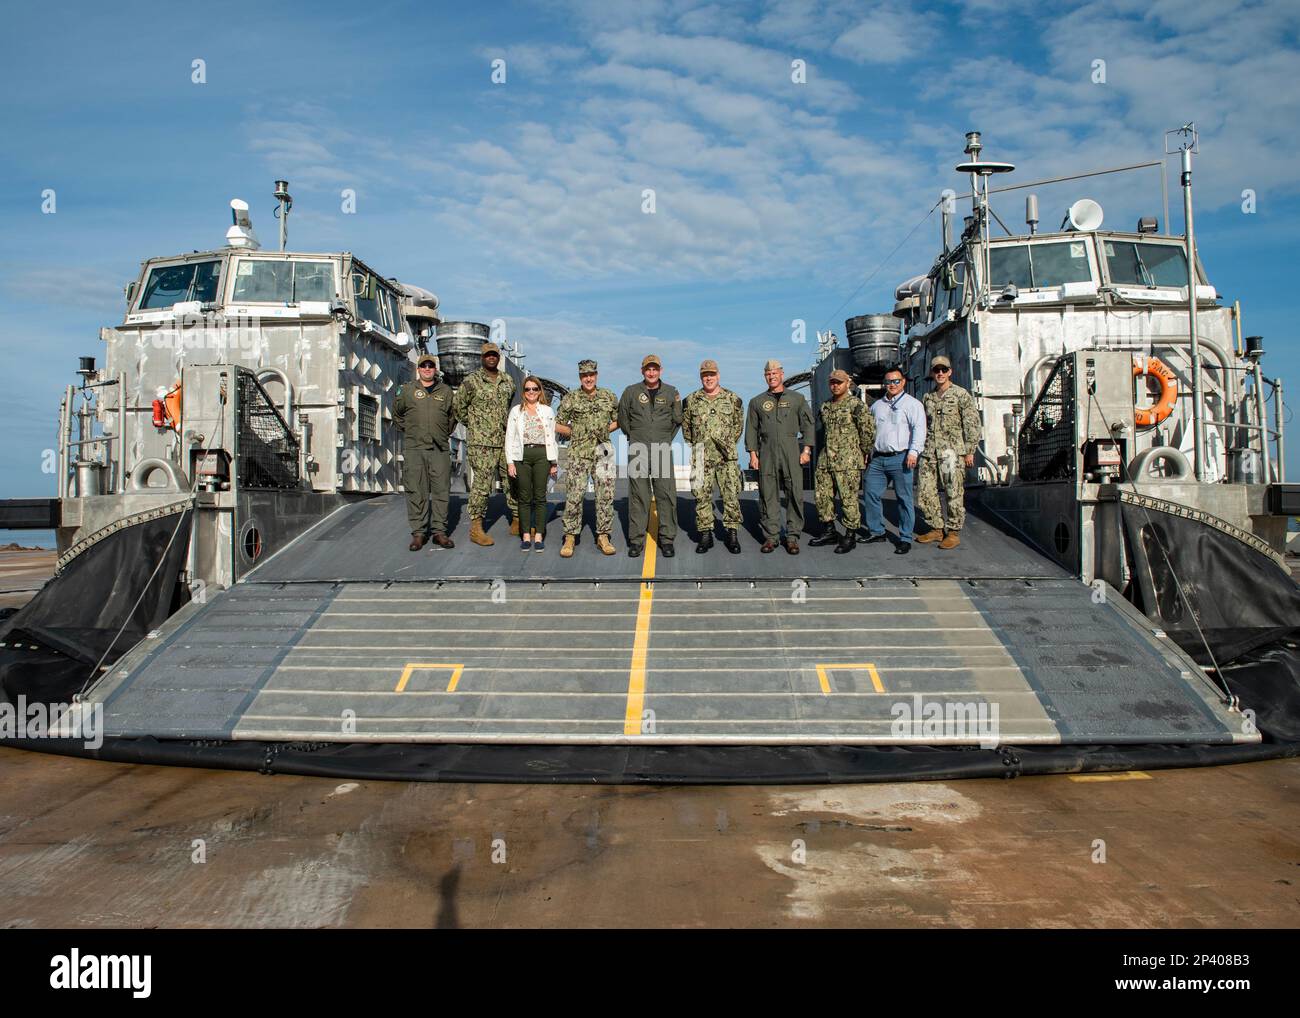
pixel 893 452
pixel 534 445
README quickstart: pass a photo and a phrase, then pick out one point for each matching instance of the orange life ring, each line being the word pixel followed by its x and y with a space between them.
pixel 1148 416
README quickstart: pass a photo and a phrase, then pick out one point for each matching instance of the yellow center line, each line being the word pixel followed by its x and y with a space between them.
pixel 640 647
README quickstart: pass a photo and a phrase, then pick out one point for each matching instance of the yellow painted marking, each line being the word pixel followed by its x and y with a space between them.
pixel 823 675
pixel 641 645
pixel 1121 776
pixel 412 666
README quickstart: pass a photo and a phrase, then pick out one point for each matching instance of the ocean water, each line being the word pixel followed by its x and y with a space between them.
pixel 28 538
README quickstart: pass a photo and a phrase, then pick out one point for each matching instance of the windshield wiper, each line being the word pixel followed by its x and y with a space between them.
pixel 1147 279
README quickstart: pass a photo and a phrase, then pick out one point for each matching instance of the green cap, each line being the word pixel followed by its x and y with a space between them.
pixel 587 367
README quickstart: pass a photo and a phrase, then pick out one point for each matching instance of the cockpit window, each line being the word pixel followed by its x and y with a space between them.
pixel 1034 266
pixel 176 284
pixel 260 280
pixel 1136 264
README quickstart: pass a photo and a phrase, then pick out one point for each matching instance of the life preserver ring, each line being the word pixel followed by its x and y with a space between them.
pixel 1146 417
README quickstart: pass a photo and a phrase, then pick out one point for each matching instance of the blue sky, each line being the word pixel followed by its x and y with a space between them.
pixel 523 200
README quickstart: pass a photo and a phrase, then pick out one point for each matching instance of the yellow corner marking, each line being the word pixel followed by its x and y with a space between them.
pixel 412 666
pixel 641 645
pixel 823 675
pixel 1121 776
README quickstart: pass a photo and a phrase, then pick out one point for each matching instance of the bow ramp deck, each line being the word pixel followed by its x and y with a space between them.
pixel 346 636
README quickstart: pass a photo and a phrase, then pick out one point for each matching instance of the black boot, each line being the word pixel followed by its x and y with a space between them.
pixel 706 542
pixel 847 543
pixel 829 535
pixel 732 542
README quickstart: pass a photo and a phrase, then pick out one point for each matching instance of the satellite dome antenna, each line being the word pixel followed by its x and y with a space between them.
pixel 980 170
pixel 241 233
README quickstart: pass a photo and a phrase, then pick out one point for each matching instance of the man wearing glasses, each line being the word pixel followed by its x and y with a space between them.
pixel 953 431
pixel 900 437
pixel 423 413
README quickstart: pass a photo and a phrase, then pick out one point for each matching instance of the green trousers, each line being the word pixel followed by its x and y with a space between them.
pixel 531 473
pixel 488 462
pixel 650 474
pixel 426 476
pixel 779 471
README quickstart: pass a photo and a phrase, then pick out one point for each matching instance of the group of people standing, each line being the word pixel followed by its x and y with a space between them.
pixel 892 438
pixel 518 443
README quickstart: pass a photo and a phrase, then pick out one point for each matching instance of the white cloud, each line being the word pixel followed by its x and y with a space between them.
pixel 889 33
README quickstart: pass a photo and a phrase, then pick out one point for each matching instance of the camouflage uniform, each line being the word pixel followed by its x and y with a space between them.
pixel 850 432
pixel 591 454
pixel 425 416
pixel 483 403
pixel 952 431
pixel 713 425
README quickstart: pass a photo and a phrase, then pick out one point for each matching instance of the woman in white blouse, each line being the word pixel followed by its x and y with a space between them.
pixel 532 456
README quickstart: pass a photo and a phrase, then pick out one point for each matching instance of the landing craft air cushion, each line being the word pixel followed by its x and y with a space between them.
pixel 234 589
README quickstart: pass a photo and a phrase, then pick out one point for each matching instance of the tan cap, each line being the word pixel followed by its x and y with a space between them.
pixel 773 366
pixel 427 358
pixel 709 367
pixel 490 348
pixel 649 359
pixel 940 362
pixel 839 375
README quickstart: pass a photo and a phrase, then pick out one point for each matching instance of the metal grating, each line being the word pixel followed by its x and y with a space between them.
pixel 1046 443
pixel 266 448
pixel 367 417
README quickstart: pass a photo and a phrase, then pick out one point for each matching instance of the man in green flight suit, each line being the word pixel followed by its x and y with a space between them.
pixel 952 432
pixel 712 421
pixel 423 412
pixel 586 417
pixel 778 424
pixel 650 412
pixel 483 403
pixel 850 435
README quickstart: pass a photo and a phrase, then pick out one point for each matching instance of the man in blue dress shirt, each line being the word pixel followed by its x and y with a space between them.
pixel 900 437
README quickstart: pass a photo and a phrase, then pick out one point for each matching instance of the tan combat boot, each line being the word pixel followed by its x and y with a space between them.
pixel 514 527
pixel 566 550
pixel 602 542
pixel 930 536
pixel 479 536
pixel 951 541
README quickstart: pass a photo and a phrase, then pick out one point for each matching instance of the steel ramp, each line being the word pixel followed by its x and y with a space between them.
pixel 866 661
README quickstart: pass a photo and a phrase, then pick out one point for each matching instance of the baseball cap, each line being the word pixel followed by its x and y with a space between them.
pixel 839 375
pixel 708 367
pixel 490 348
pixel 649 359
pixel 586 367
pixel 427 358
pixel 773 366
pixel 940 362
